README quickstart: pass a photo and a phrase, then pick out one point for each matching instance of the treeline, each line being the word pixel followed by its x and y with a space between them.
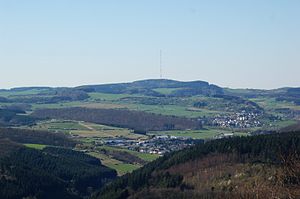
pixel 46 96
pixel 208 90
pixel 52 96
pixel 50 173
pixel 154 100
pixel 281 94
pixel 291 95
pixel 154 177
pixel 36 137
pixel 13 117
pixel 248 105
pixel 229 103
pixel 137 120
pixel 4 100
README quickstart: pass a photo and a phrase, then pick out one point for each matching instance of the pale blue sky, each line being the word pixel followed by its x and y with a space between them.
pixel 249 43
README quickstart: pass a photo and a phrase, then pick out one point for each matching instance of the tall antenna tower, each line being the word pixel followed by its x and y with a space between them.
pixel 160 64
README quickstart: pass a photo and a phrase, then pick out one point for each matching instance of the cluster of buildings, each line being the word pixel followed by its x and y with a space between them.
pixel 156 145
pixel 238 120
pixel 165 143
pixel 224 135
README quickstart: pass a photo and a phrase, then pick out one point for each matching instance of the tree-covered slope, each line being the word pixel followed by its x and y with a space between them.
pixel 241 167
pixel 36 137
pixel 147 87
pixel 10 117
pixel 51 171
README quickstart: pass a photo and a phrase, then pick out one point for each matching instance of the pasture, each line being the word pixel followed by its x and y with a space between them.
pixel 85 131
pixel 196 134
pixel 120 167
pixel 36 146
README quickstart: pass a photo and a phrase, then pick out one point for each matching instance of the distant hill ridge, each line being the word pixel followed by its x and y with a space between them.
pixel 146 87
pixel 152 84
pixel 154 88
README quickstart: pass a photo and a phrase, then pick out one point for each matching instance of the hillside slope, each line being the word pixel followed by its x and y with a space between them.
pixel 242 167
pixel 48 171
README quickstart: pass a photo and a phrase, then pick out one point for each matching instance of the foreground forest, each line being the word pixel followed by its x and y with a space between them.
pixel 50 172
pixel 250 167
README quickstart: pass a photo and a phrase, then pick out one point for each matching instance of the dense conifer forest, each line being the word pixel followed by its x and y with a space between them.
pixel 52 172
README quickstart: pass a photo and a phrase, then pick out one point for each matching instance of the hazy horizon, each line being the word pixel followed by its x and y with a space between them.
pixel 67 43
pixel 103 83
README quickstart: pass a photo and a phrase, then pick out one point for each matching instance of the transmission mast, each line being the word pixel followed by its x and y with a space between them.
pixel 160 64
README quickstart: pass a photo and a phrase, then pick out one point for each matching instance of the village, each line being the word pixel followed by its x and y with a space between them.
pixel 238 120
pixel 156 145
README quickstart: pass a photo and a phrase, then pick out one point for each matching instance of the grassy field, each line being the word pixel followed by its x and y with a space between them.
pixel 196 134
pixel 85 130
pixel 66 125
pixel 103 131
pixel 166 91
pixel 109 97
pixel 102 105
pixel 271 103
pixel 87 104
pixel 120 167
pixel 20 93
pixel 123 133
pixel 60 126
pixel 36 146
pixel 144 156
pixel 59 105
pixel 181 111
pixel 124 168
pixel 281 124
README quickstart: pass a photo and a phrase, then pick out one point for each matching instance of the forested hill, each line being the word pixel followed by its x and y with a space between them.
pixel 12 118
pixel 37 137
pixel 240 167
pixel 147 87
pixel 52 171
pixel 155 87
